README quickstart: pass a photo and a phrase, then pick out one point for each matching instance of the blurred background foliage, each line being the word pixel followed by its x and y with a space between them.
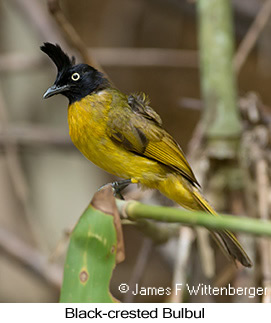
pixel 45 183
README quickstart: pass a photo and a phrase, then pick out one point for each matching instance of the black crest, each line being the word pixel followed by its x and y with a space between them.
pixel 61 59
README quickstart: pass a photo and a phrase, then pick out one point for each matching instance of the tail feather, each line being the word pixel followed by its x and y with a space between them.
pixel 225 239
pixel 234 248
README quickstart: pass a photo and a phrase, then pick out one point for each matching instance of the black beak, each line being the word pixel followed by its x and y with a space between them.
pixel 54 89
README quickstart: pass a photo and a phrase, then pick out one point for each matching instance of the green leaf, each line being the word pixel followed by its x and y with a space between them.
pixel 91 259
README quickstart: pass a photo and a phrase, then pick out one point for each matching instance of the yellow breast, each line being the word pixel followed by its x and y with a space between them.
pixel 87 120
pixel 87 124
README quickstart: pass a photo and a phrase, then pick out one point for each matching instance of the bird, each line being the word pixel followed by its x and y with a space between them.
pixel 123 135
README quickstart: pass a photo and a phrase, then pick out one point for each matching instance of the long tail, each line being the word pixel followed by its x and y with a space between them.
pixel 179 190
pixel 225 238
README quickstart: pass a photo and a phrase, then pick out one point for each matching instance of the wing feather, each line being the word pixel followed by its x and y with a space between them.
pixel 140 133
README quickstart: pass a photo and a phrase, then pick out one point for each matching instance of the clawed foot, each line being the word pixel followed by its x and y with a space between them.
pixel 118 186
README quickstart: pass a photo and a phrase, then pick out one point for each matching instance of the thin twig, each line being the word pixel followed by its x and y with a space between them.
pixel 34 14
pixel 196 142
pixel 30 135
pixel 146 57
pixel 263 205
pixel 252 35
pixel 207 255
pixel 139 268
pixel 226 275
pixel 61 247
pixel 243 277
pixel 13 162
pixel 70 34
pixel 263 188
pixel 186 238
pixel 30 258
pixel 124 56
pixel 16 172
pixel 17 62
pixel 121 57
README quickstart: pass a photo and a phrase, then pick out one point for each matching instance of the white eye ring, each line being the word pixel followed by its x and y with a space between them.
pixel 75 76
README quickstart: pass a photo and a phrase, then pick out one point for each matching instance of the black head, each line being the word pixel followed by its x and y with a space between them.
pixel 73 81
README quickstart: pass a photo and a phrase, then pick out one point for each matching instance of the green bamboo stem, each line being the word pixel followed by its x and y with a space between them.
pixel 218 84
pixel 136 211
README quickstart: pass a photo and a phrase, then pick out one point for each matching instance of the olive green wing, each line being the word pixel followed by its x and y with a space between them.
pixel 139 104
pixel 168 152
pixel 144 136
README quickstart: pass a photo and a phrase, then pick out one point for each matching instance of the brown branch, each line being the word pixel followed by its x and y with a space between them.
pixel 70 34
pixel 252 35
pixel 263 188
pixel 206 251
pixel 16 62
pixel 186 238
pixel 121 57
pixel 139 268
pixel 31 135
pixel 265 244
pixel 255 165
pixel 16 171
pixel 34 13
pixel 13 162
pixel 124 56
pixel 226 275
pixel 146 57
pixel 30 258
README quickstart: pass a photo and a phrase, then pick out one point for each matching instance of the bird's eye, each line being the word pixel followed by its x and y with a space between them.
pixel 75 76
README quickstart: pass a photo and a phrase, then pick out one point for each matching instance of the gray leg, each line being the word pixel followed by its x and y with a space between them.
pixel 118 186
